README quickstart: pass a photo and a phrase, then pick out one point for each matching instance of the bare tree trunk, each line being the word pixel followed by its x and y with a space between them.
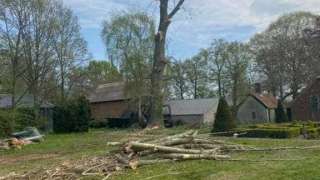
pixel 160 62
pixel 219 85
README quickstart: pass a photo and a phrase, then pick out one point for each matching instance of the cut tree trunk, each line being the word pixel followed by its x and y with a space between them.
pixel 166 149
pixel 159 63
pixel 195 156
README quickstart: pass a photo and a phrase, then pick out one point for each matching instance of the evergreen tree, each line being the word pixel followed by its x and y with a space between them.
pixel 83 114
pixel 72 116
pixel 281 115
pixel 224 120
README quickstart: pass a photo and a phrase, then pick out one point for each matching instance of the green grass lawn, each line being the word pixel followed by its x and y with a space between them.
pixel 57 149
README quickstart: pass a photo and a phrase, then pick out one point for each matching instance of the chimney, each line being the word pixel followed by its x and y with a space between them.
pixel 257 88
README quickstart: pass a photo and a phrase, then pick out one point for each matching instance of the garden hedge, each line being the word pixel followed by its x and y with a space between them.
pixel 273 133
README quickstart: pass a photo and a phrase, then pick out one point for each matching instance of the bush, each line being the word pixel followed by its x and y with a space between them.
pixel 26 117
pixel 273 133
pixel 98 123
pixel 72 116
pixel 7 122
pixel 224 120
pixel 310 132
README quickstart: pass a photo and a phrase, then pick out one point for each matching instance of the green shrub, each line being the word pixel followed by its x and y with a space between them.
pixel 311 132
pixel 311 124
pixel 98 123
pixel 7 122
pixel 224 120
pixel 273 133
pixel 26 117
pixel 72 116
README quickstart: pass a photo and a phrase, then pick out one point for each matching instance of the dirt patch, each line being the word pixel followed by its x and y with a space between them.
pixel 14 159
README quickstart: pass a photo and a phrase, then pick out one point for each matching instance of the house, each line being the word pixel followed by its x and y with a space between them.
pixel 194 112
pixel 258 107
pixel 108 101
pixel 307 105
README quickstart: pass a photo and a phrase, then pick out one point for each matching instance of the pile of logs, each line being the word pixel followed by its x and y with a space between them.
pixel 13 143
pixel 186 146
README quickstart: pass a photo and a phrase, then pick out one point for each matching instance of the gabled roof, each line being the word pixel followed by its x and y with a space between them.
pixel 108 92
pixel 268 100
pixel 193 106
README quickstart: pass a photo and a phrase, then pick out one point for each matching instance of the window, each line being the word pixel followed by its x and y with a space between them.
pixel 254 115
pixel 315 103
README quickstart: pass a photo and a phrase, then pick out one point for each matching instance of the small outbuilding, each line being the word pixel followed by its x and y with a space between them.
pixel 27 101
pixel 108 101
pixel 258 107
pixel 307 105
pixel 193 112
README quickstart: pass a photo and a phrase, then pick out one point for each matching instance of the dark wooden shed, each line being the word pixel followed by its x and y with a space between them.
pixel 307 105
pixel 108 101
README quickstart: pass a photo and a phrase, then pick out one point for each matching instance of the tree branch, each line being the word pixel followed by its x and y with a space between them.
pixel 175 9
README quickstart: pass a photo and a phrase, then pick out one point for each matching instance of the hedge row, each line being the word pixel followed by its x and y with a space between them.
pixel 273 133
pixel 310 130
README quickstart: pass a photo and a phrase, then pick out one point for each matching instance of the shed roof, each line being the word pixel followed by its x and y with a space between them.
pixel 267 100
pixel 25 101
pixel 193 106
pixel 108 92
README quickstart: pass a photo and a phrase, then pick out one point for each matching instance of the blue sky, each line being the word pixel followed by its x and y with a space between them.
pixel 195 26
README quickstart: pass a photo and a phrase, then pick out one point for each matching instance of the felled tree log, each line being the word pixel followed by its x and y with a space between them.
pixel 177 156
pixel 200 146
pixel 177 141
pixel 173 142
pixel 187 134
pixel 166 149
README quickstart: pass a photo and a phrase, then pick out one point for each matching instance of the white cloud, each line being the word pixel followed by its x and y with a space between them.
pixel 200 20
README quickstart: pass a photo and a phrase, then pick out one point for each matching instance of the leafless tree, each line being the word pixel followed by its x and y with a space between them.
pixel 12 17
pixel 69 46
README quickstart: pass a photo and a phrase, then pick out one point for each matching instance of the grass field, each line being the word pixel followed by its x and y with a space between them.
pixel 57 149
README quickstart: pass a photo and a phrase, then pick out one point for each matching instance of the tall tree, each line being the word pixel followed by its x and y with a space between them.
pixel 127 34
pixel 38 54
pixel 13 16
pixel 159 60
pixel 236 72
pixel 196 71
pixel 178 78
pixel 37 36
pixel 69 46
pixel 282 55
pixel 218 55
pixel 129 41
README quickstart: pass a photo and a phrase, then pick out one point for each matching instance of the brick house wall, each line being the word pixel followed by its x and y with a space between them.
pixel 307 105
pixel 111 109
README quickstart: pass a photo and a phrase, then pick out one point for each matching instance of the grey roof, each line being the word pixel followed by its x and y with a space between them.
pixel 25 101
pixel 192 106
pixel 5 101
pixel 108 92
